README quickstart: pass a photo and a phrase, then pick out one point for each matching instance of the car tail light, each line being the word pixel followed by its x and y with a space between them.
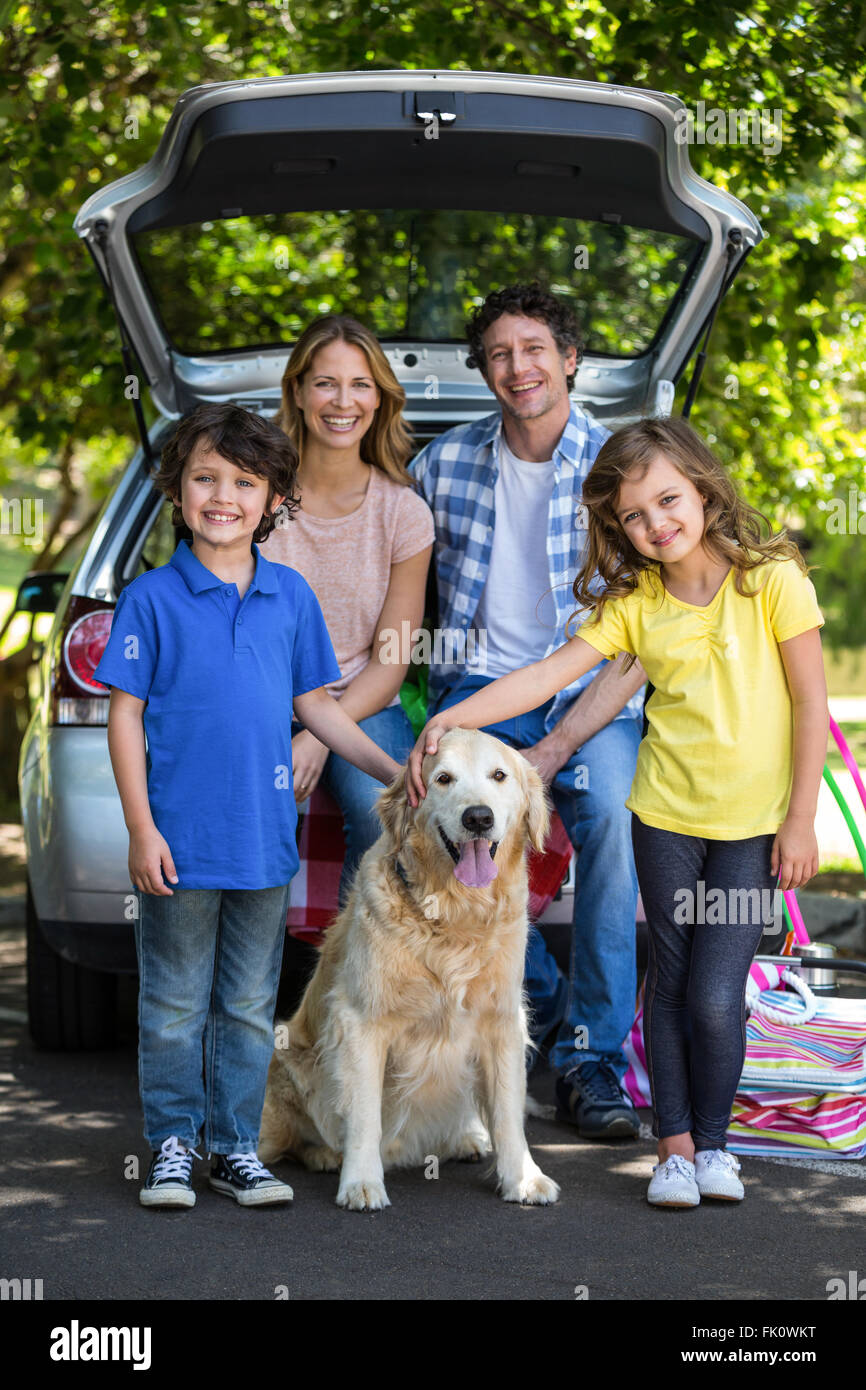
pixel 76 698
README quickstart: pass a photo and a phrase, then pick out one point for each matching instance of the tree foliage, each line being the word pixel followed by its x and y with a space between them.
pixel 89 88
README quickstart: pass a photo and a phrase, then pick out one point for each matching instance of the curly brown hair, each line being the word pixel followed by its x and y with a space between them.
pixel 244 439
pixel 535 302
pixel 732 528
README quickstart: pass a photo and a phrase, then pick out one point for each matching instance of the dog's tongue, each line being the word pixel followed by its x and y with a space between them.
pixel 475 867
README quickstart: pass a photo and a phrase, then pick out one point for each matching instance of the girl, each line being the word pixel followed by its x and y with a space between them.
pixel 723 801
pixel 362 539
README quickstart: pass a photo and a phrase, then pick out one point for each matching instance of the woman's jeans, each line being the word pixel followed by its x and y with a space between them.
pixel 701 944
pixel 209 967
pixel 355 792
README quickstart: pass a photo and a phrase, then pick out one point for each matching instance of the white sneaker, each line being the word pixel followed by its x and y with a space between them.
pixel 716 1175
pixel 673 1184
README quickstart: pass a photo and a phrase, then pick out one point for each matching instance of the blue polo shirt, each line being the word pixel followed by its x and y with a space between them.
pixel 219 674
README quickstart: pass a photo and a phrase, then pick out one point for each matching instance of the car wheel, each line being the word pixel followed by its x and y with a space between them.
pixel 70 1007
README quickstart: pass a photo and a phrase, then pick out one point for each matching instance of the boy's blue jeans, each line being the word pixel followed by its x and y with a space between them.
pixel 209 968
pixel 589 793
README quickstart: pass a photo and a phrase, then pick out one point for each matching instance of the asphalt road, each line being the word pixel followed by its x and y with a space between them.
pixel 72 1136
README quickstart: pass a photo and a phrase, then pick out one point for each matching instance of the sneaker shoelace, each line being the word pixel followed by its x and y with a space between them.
pixel 674 1167
pixel 598 1081
pixel 175 1160
pixel 722 1159
pixel 249 1166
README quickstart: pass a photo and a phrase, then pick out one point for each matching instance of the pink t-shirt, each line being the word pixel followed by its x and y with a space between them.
pixel 346 560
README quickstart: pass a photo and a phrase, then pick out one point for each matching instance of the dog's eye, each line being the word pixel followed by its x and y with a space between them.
pixel 499 775
pixel 444 778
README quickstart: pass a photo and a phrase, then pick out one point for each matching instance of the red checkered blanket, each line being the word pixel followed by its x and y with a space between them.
pixel 321 848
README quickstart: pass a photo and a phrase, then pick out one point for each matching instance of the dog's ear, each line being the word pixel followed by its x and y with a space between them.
pixel 394 811
pixel 537 808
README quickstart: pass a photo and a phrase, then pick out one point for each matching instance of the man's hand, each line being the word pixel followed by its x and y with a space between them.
pixel 149 854
pixel 547 757
pixel 427 742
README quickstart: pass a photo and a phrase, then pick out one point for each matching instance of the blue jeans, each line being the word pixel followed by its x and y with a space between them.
pixel 694 1015
pixel 209 967
pixel 355 792
pixel 596 1005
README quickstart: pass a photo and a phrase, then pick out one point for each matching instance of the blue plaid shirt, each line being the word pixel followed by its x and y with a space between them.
pixel 457 475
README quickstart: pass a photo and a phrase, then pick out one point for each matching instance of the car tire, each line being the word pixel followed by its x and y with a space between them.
pixel 70 1008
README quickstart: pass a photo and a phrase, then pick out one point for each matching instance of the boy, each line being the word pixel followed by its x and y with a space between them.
pixel 206 656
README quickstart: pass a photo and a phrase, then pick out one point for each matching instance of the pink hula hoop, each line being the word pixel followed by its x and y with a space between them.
pixel 848 759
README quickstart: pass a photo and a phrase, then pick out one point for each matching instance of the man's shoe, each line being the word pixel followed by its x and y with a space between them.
pixel 591 1097
pixel 243 1177
pixel 716 1175
pixel 168 1181
pixel 673 1184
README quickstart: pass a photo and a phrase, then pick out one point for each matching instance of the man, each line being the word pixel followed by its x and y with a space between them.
pixel 506 495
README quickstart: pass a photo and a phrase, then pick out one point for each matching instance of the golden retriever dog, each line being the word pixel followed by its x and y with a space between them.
pixel 409 1043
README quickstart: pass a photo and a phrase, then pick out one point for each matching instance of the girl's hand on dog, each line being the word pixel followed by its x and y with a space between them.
pixel 428 742
pixel 309 756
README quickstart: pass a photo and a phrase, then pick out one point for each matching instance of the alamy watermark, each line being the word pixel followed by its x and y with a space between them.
pixel 847 517
pixel 734 907
pixel 22 516
pixel 715 126
pixel 443 646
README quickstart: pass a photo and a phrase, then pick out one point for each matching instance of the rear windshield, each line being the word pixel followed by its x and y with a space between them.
pixel 250 282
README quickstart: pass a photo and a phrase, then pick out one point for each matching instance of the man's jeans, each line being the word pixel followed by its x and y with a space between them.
pixel 356 792
pixel 596 1006
pixel 209 967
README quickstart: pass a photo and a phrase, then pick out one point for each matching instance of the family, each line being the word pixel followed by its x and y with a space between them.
pixel 304 542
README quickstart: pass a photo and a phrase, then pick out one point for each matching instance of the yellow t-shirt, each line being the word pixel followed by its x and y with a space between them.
pixel 717 759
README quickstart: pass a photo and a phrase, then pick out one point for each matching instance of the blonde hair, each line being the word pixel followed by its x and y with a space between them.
pixel 387 445
pixel 732 528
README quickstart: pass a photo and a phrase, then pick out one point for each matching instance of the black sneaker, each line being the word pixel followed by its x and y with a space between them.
pixel 243 1177
pixel 168 1181
pixel 590 1097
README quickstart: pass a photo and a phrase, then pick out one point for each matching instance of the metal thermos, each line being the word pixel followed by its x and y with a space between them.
pixel 810 954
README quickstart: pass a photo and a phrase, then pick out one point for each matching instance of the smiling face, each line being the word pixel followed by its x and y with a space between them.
pixel 524 367
pixel 338 396
pixel 479 792
pixel 662 513
pixel 222 504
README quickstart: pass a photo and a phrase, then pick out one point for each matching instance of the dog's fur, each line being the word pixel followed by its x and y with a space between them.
pixel 409 1042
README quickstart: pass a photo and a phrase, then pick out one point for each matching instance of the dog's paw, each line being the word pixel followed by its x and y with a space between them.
pixel 369 1195
pixel 318 1158
pixel 471 1147
pixel 537 1190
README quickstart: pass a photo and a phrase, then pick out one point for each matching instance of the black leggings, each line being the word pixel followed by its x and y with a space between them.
pixel 707 904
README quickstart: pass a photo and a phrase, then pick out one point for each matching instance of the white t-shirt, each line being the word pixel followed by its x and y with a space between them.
pixel 517 610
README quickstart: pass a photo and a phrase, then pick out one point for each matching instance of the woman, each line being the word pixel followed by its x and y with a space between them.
pixel 362 538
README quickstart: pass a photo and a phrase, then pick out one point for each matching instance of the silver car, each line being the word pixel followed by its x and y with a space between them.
pixel 400 197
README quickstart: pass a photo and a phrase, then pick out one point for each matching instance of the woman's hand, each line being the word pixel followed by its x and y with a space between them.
pixel 149 855
pixel 795 852
pixel 309 756
pixel 428 742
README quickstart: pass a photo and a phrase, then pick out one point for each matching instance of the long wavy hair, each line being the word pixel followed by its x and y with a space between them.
pixel 387 445
pixel 732 528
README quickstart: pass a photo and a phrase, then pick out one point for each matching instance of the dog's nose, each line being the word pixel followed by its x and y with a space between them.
pixel 478 819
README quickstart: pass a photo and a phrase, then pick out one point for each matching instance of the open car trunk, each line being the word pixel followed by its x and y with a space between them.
pixel 404 198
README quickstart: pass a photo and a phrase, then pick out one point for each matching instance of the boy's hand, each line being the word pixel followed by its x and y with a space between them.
pixel 309 756
pixel 795 852
pixel 149 855
pixel 428 742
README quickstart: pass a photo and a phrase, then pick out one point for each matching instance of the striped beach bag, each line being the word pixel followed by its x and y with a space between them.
pixel 803 1085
